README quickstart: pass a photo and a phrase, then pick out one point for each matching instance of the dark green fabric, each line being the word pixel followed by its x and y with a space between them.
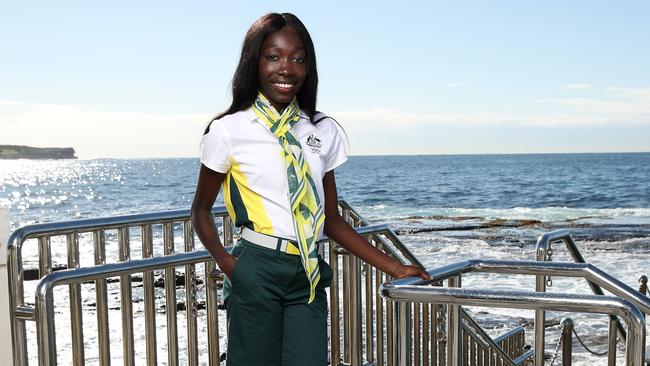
pixel 241 213
pixel 270 322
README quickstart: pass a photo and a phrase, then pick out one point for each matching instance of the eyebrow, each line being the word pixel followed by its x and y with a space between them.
pixel 278 46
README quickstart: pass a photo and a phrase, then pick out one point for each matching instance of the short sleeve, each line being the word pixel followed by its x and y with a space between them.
pixel 215 148
pixel 337 153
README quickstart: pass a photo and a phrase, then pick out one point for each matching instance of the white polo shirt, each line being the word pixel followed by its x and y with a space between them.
pixel 255 188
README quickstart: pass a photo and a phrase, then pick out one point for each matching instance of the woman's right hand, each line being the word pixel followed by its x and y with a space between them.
pixel 207 189
pixel 403 270
pixel 226 264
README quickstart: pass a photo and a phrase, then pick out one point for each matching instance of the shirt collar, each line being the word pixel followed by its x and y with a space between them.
pixel 250 114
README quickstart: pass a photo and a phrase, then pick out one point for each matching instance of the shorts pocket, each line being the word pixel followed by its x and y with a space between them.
pixel 239 253
pixel 326 273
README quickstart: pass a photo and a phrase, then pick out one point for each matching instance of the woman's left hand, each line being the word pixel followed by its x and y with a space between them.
pixel 405 270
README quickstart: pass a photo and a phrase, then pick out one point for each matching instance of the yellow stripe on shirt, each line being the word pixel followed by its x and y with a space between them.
pixel 251 202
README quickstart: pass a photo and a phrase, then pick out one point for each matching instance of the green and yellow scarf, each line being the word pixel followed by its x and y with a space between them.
pixel 307 210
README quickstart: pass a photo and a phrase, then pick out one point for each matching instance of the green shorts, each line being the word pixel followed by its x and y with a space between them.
pixel 269 320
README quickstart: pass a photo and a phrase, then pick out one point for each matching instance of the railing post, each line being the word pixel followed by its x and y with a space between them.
pixel 347 322
pixel 5 319
pixel 567 341
pixel 170 297
pixel 454 329
pixel 402 334
pixel 612 338
pixel 356 347
pixel 126 296
pixel 540 315
pixel 540 320
pixel 46 330
pixel 190 298
pixel 76 315
pixel 150 299
pixel 101 296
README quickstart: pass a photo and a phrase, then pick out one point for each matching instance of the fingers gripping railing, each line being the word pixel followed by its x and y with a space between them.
pixel 629 309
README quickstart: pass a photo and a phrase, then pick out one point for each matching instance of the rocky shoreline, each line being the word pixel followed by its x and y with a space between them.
pixel 28 152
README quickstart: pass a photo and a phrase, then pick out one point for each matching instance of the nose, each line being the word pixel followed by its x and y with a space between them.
pixel 286 67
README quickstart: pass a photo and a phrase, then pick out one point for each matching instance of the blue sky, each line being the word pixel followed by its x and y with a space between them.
pixel 141 79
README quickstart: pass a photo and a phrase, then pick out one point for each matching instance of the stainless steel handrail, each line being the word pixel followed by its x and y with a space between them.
pixel 412 289
pixel 378 320
pixel 20 311
pixel 565 269
pixel 44 291
pixel 44 315
pixel 544 252
pixel 402 323
pixel 353 317
pixel 382 236
pixel 391 235
pixel 493 346
pixel 69 226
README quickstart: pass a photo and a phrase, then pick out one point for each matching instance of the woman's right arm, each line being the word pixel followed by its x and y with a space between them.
pixel 207 190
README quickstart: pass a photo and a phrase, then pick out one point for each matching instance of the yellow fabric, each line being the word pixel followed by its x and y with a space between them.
pixel 252 201
pixel 292 249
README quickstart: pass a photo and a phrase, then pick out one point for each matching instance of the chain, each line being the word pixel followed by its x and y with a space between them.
pixel 587 348
pixel 549 258
pixel 557 346
pixel 191 308
pixel 440 313
pixel 559 342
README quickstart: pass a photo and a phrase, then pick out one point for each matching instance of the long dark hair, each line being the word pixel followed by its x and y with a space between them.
pixel 245 83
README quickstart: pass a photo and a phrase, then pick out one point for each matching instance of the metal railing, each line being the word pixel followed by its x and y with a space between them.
pixel 151 232
pixel 91 238
pixel 480 349
pixel 544 252
pixel 566 341
pixel 627 304
pixel 422 328
pixel 364 329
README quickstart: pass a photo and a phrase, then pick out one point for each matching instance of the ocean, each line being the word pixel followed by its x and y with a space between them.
pixel 445 208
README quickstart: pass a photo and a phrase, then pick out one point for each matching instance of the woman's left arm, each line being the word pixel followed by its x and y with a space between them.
pixel 337 229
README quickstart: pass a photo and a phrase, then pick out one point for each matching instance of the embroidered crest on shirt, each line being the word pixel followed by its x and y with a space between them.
pixel 314 143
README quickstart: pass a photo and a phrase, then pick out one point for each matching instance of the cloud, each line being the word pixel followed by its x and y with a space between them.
pixel 631 105
pixel 618 106
pixel 455 85
pixel 95 133
pixel 577 86
pixel 393 116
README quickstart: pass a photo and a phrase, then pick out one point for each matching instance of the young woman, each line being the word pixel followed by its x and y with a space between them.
pixel 274 155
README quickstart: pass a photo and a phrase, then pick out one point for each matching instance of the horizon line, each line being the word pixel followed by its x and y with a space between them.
pixel 375 155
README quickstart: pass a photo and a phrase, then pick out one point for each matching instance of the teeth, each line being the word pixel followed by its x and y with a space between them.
pixel 285 86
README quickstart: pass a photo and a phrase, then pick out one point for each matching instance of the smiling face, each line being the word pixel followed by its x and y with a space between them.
pixel 282 67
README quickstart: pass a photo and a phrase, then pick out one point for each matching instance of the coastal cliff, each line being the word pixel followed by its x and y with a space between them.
pixel 28 152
